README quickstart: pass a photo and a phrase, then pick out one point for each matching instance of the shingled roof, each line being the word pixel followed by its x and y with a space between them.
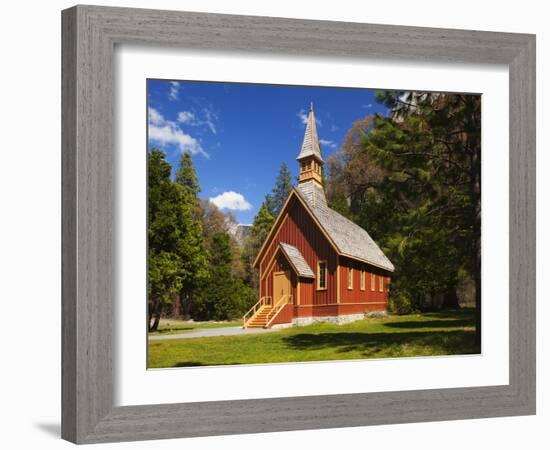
pixel 310 145
pixel 297 260
pixel 349 238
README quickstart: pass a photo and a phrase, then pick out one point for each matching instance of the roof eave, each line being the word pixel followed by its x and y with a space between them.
pixel 311 155
pixel 289 259
pixel 392 269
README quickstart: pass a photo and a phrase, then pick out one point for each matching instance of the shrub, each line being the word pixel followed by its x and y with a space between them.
pixel 400 303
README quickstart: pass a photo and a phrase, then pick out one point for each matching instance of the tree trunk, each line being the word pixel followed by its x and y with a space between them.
pixel 176 306
pixel 155 317
pixel 185 300
pixel 450 299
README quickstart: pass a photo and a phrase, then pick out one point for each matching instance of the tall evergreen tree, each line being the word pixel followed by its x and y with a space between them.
pixel 413 181
pixel 281 190
pixel 258 233
pixel 163 277
pixel 223 296
pixel 269 203
pixel 186 178
pixel 186 175
pixel 439 136
pixel 215 221
pixel 176 257
pixel 215 296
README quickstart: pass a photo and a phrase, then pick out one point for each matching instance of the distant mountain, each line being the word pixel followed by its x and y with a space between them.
pixel 239 231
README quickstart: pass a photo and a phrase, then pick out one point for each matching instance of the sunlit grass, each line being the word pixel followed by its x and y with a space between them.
pixel 430 334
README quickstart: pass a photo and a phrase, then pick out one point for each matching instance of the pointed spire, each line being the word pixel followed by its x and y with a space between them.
pixel 310 145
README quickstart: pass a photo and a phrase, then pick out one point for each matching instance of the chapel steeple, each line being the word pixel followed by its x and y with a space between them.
pixel 310 159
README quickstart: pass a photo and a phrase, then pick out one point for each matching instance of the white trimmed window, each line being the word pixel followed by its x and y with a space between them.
pixel 362 280
pixel 321 275
pixel 372 282
pixel 350 277
pixel 381 283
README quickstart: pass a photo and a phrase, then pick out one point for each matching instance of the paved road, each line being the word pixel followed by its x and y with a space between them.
pixel 208 332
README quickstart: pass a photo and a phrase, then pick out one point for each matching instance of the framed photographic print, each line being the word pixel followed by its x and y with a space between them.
pixel 268 230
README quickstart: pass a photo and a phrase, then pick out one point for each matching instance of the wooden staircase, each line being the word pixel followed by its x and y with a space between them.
pixel 262 314
pixel 260 319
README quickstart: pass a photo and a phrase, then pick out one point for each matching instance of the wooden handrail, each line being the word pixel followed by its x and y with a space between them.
pixel 284 300
pixel 266 300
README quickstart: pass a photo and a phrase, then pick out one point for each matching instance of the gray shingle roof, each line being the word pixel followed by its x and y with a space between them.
pixel 350 239
pixel 297 260
pixel 313 192
pixel 310 145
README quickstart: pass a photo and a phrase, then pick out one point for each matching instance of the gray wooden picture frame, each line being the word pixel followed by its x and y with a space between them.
pixel 90 34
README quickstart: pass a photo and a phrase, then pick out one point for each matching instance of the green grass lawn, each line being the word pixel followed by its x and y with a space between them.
pixel 175 326
pixel 442 333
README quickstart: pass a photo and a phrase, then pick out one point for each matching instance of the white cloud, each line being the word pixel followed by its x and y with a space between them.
pixel 155 117
pixel 162 132
pixel 369 105
pixel 303 116
pixel 231 200
pixel 327 142
pixel 186 117
pixel 209 119
pixel 169 135
pixel 174 90
pixel 333 127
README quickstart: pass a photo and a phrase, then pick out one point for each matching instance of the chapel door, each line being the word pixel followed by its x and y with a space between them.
pixel 281 285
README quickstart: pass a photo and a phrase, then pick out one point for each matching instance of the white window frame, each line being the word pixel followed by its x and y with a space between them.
pixel 350 278
pixel 319 288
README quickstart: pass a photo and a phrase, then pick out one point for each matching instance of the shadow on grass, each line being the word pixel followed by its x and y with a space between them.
pixel 198 364
pixel 446 323
pixel 171 330
pixel 369 344
pixel 463 313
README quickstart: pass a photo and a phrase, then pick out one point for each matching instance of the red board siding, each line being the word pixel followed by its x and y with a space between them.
pixel 299 229
pixel 284 316
pixel 356 295
pixel 307 287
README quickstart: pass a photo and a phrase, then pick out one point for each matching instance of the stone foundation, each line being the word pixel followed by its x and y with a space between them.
pixel 281 326
pixel 382 313
pixel 339 320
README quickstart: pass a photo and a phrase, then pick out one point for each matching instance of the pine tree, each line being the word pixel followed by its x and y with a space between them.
pixel 269 203
pixel 258 233
pixel 177 261
pixel 163 278
pixel 186 178
pixel 281 190
pixel 223 297
pixel 186 175
pixel 413 181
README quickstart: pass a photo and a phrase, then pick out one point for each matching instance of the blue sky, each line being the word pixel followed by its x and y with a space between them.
pixel 239 134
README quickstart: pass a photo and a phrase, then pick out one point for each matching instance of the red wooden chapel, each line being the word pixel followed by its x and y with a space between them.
pixel 316 265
